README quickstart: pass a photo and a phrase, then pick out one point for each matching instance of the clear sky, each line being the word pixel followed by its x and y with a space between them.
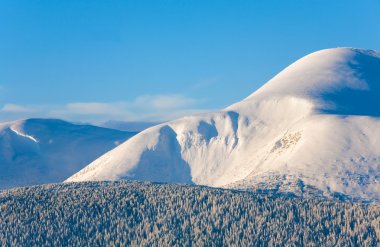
pixel 153 60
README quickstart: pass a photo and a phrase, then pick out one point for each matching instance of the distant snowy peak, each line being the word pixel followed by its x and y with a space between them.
pixel 36 151
pixel 316 122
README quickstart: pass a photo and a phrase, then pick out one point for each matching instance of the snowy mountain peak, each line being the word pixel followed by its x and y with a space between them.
pixel 315 124
pixel 341 81
pixel 35 151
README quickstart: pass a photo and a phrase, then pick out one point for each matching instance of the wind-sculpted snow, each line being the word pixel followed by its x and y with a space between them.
pixel 341 81
pixel 145 214
pixel 318 120
pixel 173 169
pixel 37 151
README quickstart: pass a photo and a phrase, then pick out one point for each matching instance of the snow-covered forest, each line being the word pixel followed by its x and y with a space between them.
pixel 142 213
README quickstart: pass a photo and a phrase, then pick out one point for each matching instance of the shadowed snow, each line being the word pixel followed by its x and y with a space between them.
pixel 37 151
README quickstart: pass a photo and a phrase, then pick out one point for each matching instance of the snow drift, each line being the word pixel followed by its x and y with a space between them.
pixel 37 151
pixel 316 124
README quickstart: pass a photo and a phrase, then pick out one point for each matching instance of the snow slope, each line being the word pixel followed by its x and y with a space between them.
pixel 316 124
pixel 37 151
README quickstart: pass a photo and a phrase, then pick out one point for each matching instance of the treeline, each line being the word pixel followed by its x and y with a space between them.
pixel 148 214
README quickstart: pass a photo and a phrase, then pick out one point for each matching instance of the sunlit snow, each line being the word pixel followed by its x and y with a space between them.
pixel 317 122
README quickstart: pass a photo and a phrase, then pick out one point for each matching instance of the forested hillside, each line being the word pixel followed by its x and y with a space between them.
pixel 139 213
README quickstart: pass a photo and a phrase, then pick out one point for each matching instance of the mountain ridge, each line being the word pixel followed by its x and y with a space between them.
pixel 35 151
pixel 317 120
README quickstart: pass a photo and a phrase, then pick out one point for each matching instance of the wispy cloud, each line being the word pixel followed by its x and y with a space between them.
pixel 2 89
pixel 204 83
pixel 14 108
pixel 143 108
pixel 164 102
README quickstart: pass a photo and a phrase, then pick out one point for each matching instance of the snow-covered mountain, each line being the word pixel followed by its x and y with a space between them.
pixel 37 151
pixel 314 125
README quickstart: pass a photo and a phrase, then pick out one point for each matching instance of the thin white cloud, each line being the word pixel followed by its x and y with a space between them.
pixel 14 108
pixel 91 111
pixel 144 108
pixel 164 102
pixel 90 108
pixel 204 83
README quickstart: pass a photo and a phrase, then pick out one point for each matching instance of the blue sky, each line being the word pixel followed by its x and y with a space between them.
pixel 141 60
